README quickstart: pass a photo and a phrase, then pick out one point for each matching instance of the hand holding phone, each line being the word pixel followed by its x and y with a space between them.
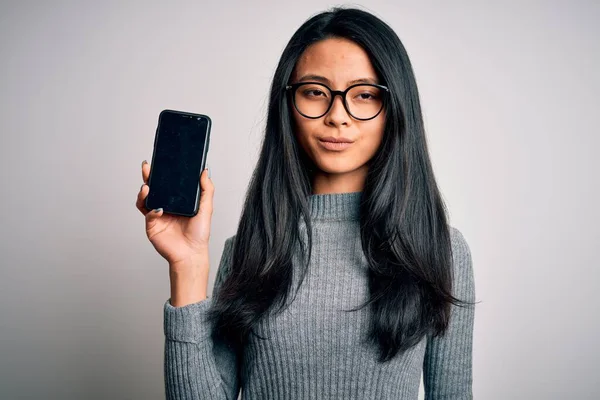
pixel 181 240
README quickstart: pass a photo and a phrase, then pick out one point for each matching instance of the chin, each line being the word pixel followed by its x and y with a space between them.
pixel 339 167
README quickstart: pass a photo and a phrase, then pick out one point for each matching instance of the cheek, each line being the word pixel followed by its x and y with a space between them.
pixel 302 130
pixel 372 138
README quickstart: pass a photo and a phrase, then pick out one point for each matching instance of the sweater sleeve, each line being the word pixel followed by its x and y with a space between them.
pixel 447 367
pixel 196 366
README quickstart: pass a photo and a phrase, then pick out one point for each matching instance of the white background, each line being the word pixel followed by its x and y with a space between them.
pixel 510 98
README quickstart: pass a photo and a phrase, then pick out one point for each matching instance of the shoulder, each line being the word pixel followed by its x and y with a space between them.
pixel 460 247
pixel 463 278
pixel 228 247
pixel 229 241
pixel 224 263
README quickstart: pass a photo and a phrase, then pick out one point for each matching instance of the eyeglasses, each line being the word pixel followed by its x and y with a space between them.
pixel 363 101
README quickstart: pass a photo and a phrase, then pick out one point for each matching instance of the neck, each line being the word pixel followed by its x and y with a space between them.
pixel 347 182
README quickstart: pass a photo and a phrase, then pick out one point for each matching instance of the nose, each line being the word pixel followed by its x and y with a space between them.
pixel 337 113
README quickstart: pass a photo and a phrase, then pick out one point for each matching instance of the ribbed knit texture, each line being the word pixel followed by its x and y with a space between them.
pixel 314 349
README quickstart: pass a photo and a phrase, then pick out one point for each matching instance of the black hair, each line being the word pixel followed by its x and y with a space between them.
pixel 405 234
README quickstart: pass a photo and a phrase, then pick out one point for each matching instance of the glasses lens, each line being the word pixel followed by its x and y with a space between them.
pixel 312 99
pixel 364 101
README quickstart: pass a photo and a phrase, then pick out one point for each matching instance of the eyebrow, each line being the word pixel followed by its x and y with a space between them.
pixel 313 77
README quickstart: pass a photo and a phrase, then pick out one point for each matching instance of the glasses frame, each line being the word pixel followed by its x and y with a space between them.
pixel 291 88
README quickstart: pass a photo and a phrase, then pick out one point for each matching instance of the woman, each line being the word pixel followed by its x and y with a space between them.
pixel 344 279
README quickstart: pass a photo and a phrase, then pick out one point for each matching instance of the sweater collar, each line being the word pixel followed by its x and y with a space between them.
pixel 335 206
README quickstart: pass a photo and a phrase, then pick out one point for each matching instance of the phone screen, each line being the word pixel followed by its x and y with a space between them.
pixel 179 157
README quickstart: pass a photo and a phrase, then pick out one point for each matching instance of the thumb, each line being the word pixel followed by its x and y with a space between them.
pixel 207 191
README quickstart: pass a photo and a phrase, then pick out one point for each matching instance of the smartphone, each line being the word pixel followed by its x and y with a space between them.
pixel 180 149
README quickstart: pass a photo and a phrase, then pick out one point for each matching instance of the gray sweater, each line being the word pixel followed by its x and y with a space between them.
pixel 314 349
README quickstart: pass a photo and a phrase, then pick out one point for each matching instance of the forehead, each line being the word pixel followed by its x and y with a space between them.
pixel 339 60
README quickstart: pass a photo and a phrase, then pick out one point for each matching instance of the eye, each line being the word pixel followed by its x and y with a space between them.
pixel 366 96
pixel 313 92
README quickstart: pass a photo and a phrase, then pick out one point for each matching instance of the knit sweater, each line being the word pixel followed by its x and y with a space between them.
pixel 314 348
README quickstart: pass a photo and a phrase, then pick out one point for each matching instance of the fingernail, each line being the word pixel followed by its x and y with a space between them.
pixel 208 168
pixel 144 162
pixel 141 187
pixel 157 210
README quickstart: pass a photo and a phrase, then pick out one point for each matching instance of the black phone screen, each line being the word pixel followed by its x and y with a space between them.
pixel 179 157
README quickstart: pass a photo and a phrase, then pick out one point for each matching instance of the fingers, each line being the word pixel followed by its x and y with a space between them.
pixel 141 197
pixel 152 217
pixel 145 171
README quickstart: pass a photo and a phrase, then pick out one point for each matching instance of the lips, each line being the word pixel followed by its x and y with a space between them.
pixel 335 144
pixel 332 139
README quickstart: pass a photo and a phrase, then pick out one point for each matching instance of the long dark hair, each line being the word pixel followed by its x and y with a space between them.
pixel 404 230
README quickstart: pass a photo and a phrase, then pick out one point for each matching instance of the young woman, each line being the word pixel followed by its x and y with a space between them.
pixel 344 279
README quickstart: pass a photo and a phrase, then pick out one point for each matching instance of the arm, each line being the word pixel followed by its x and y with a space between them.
pixel 447 367
pixel 195 366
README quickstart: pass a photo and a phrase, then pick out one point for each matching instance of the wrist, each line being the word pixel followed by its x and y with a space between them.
pixel 196 260
pixel 188 289
pixel 189 281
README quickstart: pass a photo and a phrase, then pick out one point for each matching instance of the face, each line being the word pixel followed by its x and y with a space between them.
pixel 342 167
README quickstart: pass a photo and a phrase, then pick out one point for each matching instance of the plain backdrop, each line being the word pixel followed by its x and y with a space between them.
pixel 510 98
